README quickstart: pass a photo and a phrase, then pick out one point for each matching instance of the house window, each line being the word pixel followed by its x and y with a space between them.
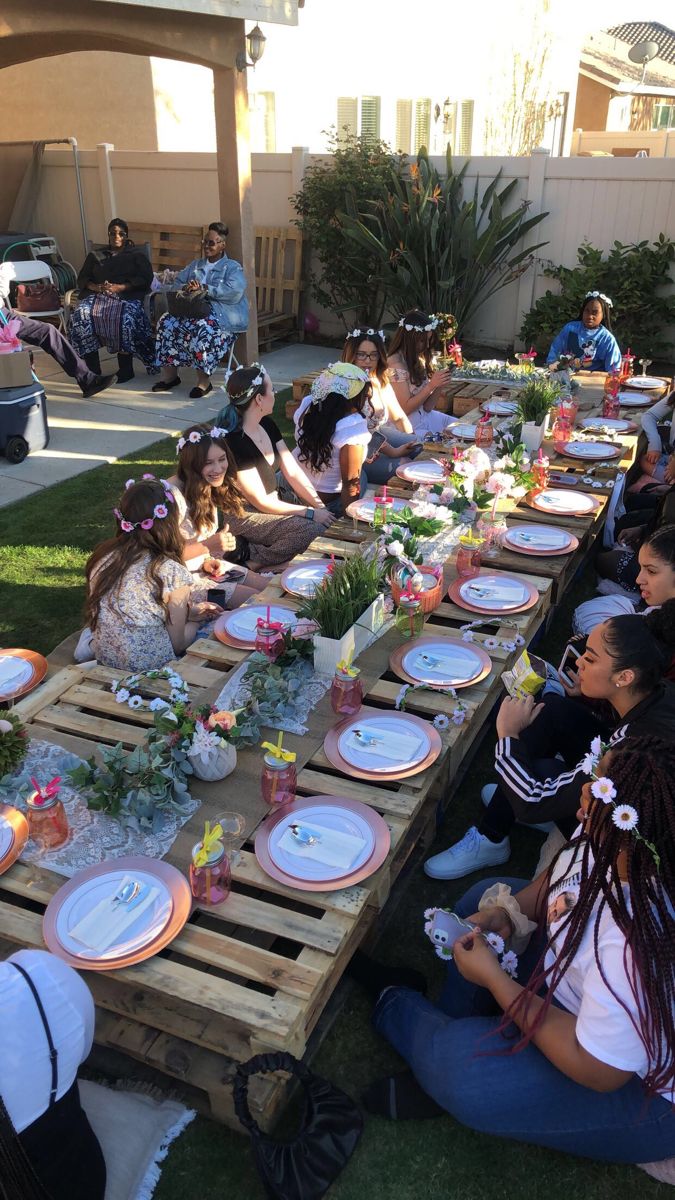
pixel 349 108
pixel 465 130
pixel 422 134
pixel 370 118
pixel 403 126
pixel 347 118
pixel 263 122
pixel 664 115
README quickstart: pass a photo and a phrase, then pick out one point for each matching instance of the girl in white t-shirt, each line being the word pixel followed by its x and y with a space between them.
pixel 333 436
pixel 589 1068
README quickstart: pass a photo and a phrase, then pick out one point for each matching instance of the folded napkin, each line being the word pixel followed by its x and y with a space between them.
pixel 399 747
pixel 493 591
pixel 106 923
pixel 13 672
pixel 436 665
pixel 543 539
pixel 333 849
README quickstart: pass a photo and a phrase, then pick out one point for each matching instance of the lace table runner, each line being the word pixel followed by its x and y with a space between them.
pixel 94 837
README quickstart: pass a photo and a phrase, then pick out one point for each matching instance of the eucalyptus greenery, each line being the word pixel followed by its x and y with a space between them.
pixel 431 248
pixel 536 400
pixel 13 741
pixel 343 596
pixel 139 786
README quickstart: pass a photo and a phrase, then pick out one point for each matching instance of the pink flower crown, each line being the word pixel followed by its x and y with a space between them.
pixel 196 436
pixel 159 512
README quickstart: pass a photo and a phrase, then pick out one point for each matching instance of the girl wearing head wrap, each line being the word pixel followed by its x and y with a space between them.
pixel 333 436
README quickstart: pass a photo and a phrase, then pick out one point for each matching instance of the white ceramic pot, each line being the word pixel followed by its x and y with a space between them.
pixel 328 652
pixel 533 435
pixel 219 764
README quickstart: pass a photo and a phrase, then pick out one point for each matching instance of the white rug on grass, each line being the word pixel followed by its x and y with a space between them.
pixel 135 1132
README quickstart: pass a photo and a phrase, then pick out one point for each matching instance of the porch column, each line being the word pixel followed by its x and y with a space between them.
pixel 230 95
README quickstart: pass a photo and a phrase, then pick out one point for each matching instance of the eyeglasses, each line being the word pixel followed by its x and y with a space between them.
pixel 208 242
pixel 366 355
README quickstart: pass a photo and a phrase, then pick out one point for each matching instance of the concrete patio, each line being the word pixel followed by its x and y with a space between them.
pixel 124 418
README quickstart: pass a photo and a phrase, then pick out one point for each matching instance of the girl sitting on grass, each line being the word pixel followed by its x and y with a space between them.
pixel 139 604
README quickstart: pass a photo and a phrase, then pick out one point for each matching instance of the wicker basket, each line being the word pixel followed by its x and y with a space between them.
pixel 429 598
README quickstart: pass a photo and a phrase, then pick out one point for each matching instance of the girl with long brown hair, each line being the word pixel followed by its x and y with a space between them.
pixel 202 487
pixel 364 346
pixel 415 381
pixel 589 1068
pixel 139 604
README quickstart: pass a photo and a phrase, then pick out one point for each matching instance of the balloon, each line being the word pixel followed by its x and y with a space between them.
pixel 310 323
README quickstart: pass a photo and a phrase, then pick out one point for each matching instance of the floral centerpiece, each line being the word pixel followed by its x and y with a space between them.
pixel 13 742
pixel 475 483
pixel 499 369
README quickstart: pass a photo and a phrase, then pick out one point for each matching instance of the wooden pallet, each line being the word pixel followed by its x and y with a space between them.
pixel 278 279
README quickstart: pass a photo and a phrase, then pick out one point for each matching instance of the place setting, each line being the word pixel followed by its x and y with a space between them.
pixel 20 672
pixel 428 470
pixel 322 843
pixel 636 399
pixel 381 745
pixel 464 430
pixel 13 835
pixel 564 504
pixel 611 424
pixel 643 382
pixel 238 628
pixel 493 593
pixel 303 578
pixel 593 451
pixel 115 914
pixel 364 509
pixel 499 408
pixel 542 540
pixel 440 662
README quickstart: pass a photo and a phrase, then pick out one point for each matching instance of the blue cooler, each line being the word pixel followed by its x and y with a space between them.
pixel 23 421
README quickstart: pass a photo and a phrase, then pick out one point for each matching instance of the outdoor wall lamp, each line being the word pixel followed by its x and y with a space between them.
pixel 255 44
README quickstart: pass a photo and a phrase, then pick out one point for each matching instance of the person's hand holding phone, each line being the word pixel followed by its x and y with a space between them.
pixel 493 919
pixel 475 961
pixel 204 611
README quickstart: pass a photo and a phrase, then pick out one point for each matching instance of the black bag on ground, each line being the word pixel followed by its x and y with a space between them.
pixel 305 1167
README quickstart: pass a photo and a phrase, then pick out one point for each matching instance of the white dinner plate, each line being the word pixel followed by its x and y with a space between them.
pixel 564 502
pixel 538 537
pixel 499 408
pixel 635 400
pixel 591 450
pixel 6 837
pixel 364 509
pixel 645 381
pixel 14 674
pixel 462 429
pixel 398 732
pixel 304 578
pixel 494 592
pixel 456 663
pixel 424 471
pixel 597 424
pixel 91 892
pixel 242 623
pixel 319 820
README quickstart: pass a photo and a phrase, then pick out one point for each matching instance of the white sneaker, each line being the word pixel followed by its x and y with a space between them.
pixel 488 792
pixel 471 854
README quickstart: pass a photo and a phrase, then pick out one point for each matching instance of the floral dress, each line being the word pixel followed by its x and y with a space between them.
pixel 421 421
pixel 131 632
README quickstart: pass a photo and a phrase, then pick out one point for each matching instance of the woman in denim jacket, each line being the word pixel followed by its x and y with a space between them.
pixel 203 341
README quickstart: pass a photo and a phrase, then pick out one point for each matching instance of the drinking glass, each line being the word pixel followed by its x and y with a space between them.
pixel 233 825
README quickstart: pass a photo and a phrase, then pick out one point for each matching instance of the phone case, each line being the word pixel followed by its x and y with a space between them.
pixel 440 926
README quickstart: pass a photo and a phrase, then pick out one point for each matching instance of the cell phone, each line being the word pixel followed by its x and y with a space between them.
pixel 216 596
pixel 568 663
pixel 376 443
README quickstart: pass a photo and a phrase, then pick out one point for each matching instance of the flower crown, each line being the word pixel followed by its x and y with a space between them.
pixel 257 382
pixel 355 333
pixel 410 328
pixel 624 816
pixel 197 435
pixel 159 512
pixel 599 296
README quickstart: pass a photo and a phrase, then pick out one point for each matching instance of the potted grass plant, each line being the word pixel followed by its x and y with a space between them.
pixel 347 608
pixel 535 402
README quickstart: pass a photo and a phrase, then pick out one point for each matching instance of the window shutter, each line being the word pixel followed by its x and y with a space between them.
pixel 422 124
pixel 370 118
pixel 403 125
pixel 450 123
pixel 465 127
pixel 347 117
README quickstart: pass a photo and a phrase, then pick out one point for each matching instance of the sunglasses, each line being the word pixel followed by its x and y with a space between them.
pixel 208 242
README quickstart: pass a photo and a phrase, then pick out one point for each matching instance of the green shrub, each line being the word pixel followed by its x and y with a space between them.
pixel 633 276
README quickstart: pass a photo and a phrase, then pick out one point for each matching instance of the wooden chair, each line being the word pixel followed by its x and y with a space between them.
pixel 278 268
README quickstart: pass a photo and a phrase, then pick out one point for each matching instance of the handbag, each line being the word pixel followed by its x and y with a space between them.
pixel 193 303
pixel 305 1167
pixel 36 297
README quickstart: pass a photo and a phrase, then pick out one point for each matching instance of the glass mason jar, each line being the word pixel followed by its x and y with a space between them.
pixel 279 780
pixel 627 361
pixel 409 616
pixel 540 472
pixel 383 507
pixel 611 406
pixel 269 641
pixel 491 528
pixel 612 383
pixel 484 434
pixel 562 431
pixel 346 693
pixel 47 821
pixel 468 560
pixel 211 883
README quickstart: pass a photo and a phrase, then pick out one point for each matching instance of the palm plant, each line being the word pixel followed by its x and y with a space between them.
pixel 434 249
pixel 536 400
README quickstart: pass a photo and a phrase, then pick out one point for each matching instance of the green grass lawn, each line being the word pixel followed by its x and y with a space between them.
pixel 44 543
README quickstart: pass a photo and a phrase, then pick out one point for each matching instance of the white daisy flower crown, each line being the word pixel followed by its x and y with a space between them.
pixel 356 333
pixel 624 816
pixel 410 328
pixel 197 435
pixel 599 296
pixel 237 397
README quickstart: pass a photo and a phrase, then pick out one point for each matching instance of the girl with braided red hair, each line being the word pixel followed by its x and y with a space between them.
pixel 578 1050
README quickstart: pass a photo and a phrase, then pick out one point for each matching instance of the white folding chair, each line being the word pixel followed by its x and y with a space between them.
pixel 32 271
pixel 231 359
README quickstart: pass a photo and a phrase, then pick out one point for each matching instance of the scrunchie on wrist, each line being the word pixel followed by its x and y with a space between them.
pixel 499 896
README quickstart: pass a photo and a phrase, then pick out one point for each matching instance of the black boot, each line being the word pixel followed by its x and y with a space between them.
pixel 93 362
pixel 126 367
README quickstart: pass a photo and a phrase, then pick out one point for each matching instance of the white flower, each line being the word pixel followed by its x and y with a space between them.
pixel 624 817
pixel 158 704
pixel 121 695
pixel 459 716
pixel 114 685
pixel 519 640
pixel 179 444
pixel 135 702
pixel 441 721
pixel 402 695
pixel 509 963
pixel 499 483
pixel 5 726
pixel 518 492
pixel 176 695
pixel 204 742
pixel 603 789
pixel 194 437
pixel 494 940
pixel 491 643
pixel 468 635
pixel 395 548
pixel 588 764
pixel 596 746
pixel 508 645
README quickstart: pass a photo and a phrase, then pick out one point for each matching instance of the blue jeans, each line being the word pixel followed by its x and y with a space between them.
pixel 382 468
pixel 457 1057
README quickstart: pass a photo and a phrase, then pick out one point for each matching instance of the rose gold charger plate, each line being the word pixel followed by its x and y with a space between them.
pixel 532 498
pixel 378 826
pixel 396 661
pixel 331 740
pixel 610 450
pixel 222 633
pixel 454 594
pixel 14 823
pixel 181 897
pixel 38 664
pixel 571 546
